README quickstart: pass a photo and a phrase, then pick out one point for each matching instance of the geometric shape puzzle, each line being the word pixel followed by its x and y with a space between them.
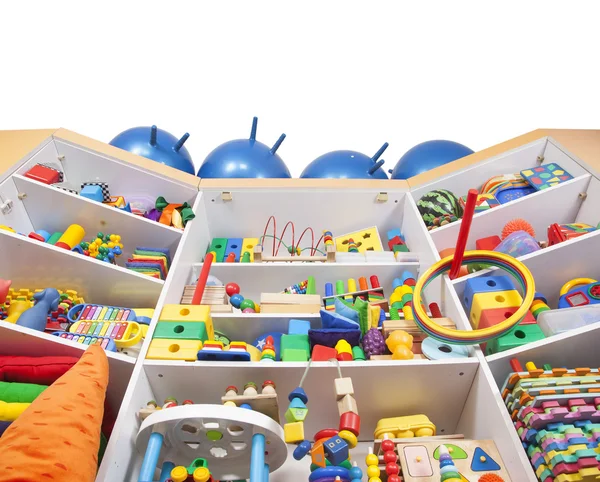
pixel 455 451
pixel 417 461
pixel 365 239
pixel 543 177
pixel 482 462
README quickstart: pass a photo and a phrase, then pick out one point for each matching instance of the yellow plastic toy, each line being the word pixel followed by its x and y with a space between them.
pixel 365 239
pixel 164 349
pixel 400 344
pixel 189 313
pixel 404 427
pixel 497 299
pixel 15 309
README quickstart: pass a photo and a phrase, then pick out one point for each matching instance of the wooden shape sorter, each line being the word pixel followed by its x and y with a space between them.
pixel 419 460
pixel 548 175
pixel 366 240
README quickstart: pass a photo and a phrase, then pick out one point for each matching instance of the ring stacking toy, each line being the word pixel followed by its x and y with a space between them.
pixel 474 337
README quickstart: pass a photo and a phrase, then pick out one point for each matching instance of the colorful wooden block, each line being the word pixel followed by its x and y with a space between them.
pixel 43 174
pixel 181 330
pixel 519 336
pixel 293 432
pixel 350 421
pixel 297 411
pixel 483 203
pixel 498 299
pixel 365 239
pixel 395 241
pixel 295 348
pixel 294 355
pixel 167 349
pixel 336 450
pixel 488 244
pixel 298 327
pixel 485 284
pixel 189 313
pixel 92 192
pixel 548 175
pixel 343 387
pixel 234 245
pixel 323 353
pixel 218 245
pixel 318 454
pixel 248 245
pixel 492 317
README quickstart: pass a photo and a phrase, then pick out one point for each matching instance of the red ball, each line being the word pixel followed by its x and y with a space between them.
pixel 392 469
pixel 393 478
pixel 387 445
pixel 389 456
pixel 232 289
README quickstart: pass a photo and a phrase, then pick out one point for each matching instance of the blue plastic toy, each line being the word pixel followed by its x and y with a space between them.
pixel 245 158
pixel 346 165
pixel 428 155
pixel 158 145
pixel 36 317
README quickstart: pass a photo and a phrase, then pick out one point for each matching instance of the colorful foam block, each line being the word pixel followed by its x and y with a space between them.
pixel 295 348
pixel 519 336
pixel 323 353
pixel 492 317
pixel 234 245
pixel 294 355
pixel 92 192
pixel 43 174
pixel 485 284
pixel 189 313
pixel 298 327
pixel 166 349
pixel 498 299
pixel 181 330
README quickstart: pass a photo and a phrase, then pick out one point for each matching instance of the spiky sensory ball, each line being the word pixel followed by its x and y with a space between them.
pixel 438 203
pixel 517 225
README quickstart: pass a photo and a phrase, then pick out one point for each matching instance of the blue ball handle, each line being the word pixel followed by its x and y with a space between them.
pixel 151 457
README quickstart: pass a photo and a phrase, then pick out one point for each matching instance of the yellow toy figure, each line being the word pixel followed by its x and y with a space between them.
pixel 400 344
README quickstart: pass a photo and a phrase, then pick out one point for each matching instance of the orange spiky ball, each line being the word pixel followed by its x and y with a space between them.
pixel 517 225
pixel 490 478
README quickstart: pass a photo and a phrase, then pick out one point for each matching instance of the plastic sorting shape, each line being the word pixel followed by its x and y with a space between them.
pixel 553 322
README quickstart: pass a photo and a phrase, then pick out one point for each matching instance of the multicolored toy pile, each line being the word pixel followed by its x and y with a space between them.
pixel 556 414
pixel 154 262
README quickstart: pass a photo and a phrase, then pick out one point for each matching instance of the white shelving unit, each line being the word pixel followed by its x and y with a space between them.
pixel 459 396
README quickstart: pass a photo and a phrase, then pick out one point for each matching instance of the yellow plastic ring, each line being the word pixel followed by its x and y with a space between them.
pixel 569 285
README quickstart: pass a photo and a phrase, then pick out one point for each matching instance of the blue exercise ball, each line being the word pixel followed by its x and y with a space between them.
pixel 346 165
pixel 245 158
pixel 158 145
pixel 428 155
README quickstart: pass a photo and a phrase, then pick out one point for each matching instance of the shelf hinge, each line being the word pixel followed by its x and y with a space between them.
pixel 226 196
pixel 540 159
pixel 382 197
pixel 6 206
pixel 583 196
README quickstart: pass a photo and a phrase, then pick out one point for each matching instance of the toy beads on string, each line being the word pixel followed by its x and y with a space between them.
pixel 238 301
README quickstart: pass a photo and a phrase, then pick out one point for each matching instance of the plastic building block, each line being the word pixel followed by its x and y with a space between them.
pixel 521 335
pixel 189 313
pixel 234 245
pixel 336 450
pixel 494 316
pixel 485 284
pixel 343 387
pixel 298 327
pixel 392 233
pixel 166 349
pixel 248 247
pixel 498 299
pixel 181 330
pixel 400 248
pixel 294 355
pixel 92 192
pixel 43 174
pixel 298 392
pixel 395 241
pixel 323 353
pixel 347 404
pixel 488 244
pixel 350 421
pixel 293 432
pixel 218 245
pixel 365 239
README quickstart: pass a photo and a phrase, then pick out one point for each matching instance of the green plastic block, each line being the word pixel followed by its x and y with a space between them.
pixel 296 414
pixel 218 245
pixel 519 336
pixel 293 354
pixel 181 330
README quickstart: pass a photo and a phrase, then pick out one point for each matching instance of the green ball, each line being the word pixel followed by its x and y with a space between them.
pixel 100 235
pixel 247 304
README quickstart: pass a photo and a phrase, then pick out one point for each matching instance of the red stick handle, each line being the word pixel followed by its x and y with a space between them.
pixel 516 365
pixel 435 310
pixel 199 291
pixel 463 234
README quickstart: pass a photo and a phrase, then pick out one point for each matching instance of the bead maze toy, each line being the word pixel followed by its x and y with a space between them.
pixel 555 413
pixel 331 447
pixel 246 305
pixel 232 442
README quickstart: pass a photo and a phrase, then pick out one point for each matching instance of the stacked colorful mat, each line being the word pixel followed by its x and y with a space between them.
pixel 153 262
pixel 557 416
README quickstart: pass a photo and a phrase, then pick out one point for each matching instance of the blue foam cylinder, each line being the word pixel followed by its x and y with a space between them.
pixel 151 457
pixel 158 145
pixel 346 165
pixel 245 158
pixel 428 155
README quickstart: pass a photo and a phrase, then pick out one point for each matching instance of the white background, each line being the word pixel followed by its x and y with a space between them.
pixel 330 74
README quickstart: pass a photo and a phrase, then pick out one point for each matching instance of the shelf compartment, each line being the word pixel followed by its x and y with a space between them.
pixel 53 210
pixel 31 264
pixel 559 204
